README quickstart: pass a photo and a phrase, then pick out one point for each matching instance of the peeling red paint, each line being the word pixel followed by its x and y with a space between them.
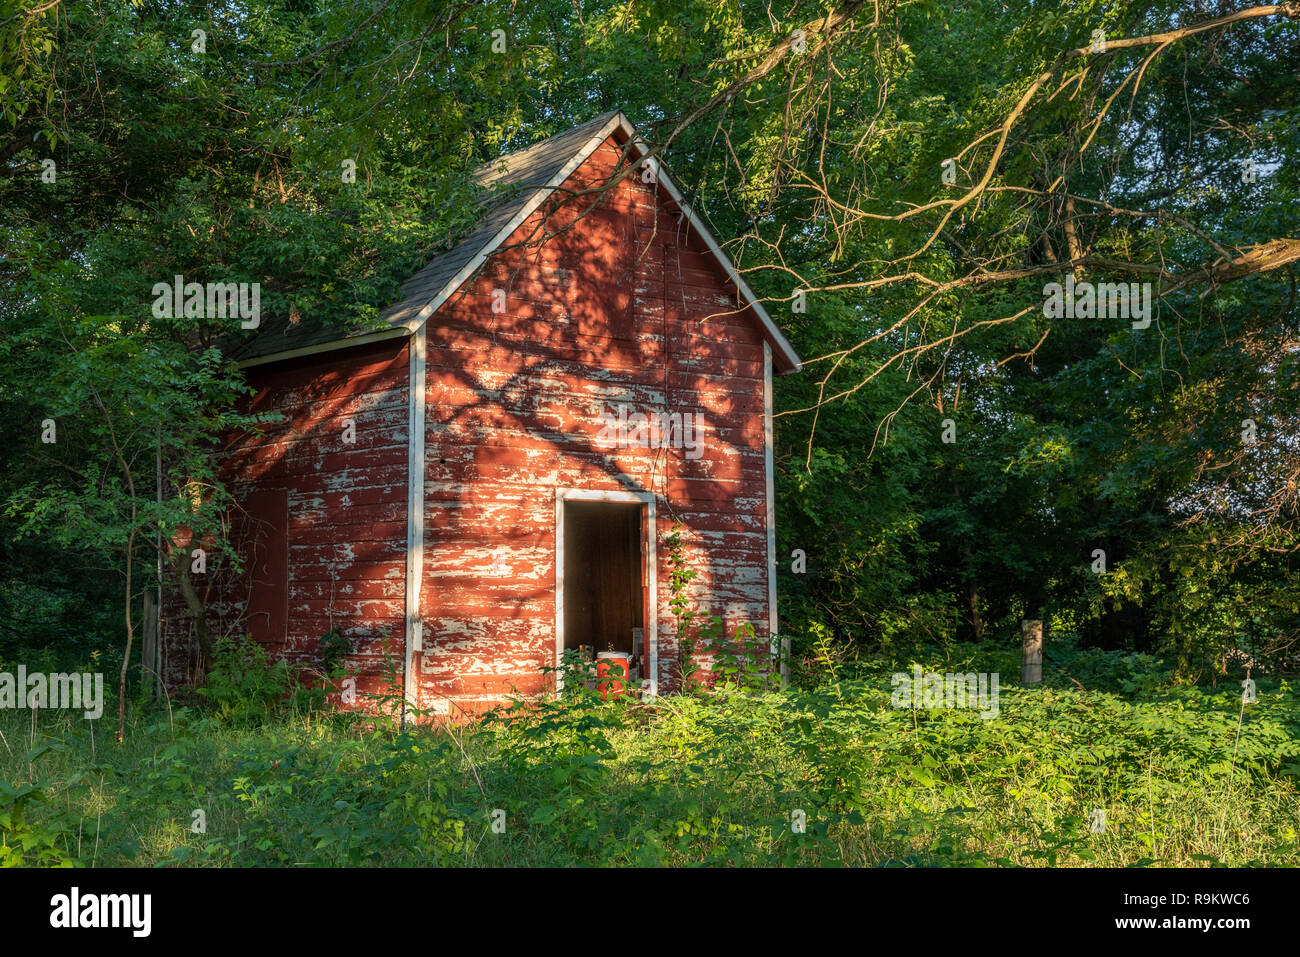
pixel 627 308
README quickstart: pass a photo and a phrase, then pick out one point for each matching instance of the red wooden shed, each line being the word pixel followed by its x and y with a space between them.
pixel 588 370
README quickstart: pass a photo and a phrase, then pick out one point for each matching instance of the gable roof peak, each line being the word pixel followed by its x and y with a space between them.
pixel 527 177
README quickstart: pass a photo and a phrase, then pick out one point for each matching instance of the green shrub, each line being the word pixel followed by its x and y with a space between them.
pixel 244 685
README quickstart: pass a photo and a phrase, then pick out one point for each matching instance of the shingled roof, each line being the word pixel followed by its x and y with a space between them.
pixel 514 186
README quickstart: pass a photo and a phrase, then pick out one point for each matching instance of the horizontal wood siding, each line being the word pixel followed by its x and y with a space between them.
pixel 346 528
pixel 623 308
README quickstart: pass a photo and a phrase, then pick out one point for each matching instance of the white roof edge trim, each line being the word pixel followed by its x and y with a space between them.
pixel 405 329
pixel 620 122
pixel 517 220
pixel 778 338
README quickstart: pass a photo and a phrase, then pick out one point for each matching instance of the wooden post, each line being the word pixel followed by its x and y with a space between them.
pixel 149 643
pixel 1031 651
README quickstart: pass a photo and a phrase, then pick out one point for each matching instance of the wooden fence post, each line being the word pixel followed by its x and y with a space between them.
pixel 1031 651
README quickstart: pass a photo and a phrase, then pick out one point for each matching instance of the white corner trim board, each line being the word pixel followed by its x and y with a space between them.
pixel 415 465
pixel 770 497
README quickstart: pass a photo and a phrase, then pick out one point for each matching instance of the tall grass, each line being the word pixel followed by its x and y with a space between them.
pixel 827 775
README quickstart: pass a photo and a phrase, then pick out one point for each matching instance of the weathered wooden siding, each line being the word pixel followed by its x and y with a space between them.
pixel 346 514
pixel 624 308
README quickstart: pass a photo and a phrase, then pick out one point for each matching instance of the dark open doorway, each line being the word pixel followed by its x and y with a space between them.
pixel 603 575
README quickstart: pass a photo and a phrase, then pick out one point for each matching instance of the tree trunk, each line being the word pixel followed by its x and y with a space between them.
pixel 198 611
pixel 976 623
pixel 149 643
pixel 130 636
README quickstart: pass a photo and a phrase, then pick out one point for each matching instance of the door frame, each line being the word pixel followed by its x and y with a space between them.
pixel 649 551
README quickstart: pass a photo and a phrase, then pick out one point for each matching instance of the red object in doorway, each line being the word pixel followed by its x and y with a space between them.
pixel 610 681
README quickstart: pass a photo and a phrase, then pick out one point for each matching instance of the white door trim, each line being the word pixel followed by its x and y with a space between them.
pixel 650 544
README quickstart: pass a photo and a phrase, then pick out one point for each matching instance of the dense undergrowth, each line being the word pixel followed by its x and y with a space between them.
pixel 827 774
